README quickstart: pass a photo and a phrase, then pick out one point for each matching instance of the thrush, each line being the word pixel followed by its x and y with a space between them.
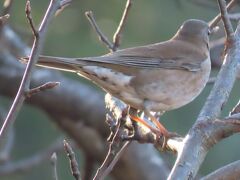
pixel 152 78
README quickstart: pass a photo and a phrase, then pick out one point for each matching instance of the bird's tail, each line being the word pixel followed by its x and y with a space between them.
pixel 60 63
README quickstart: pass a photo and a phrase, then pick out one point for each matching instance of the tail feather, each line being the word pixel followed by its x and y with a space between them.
pixel 59 63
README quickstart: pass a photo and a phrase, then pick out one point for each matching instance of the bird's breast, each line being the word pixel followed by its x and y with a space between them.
pixel 166 89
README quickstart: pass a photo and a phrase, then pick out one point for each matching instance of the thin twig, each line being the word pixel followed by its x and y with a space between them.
pixel 102 37
pixel 118 33
pixel 226 21
pixel 36 49
pixel 141 133
pixel 110 159
pixel 236 109
pixel 30 19
pixel 63 5
pixel 115 159
pixel 153 168
pixel 54 165
pixel 73 162
pixel 44 87
pixel 215 21
pixel 235 116
pixel 110 155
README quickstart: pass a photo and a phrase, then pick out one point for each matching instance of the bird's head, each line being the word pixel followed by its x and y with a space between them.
pixel 195 31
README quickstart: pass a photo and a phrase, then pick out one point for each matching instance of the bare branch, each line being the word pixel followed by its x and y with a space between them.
pixel 142 134
pixel 201 135
pixel 54 165
pixel 215 21
pixel 115 159
pixel 117 34
pixel 102 37
pixel 226 21
pixel 234 117
pixel 236 109
pixel 112 150
pixel 29 18
pixel 44 87
pixel 155 167
pixel 230 171
pixel 36 49
pixel 63 5
pixel 72 121
pixel 73 162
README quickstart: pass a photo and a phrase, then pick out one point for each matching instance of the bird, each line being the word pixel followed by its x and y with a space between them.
pixel 151 78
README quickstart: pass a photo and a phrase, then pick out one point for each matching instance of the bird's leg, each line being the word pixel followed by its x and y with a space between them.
pixel 133 116
pixel 161 128
pixel 158 115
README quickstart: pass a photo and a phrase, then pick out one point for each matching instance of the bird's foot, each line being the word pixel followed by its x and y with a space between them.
pixel 168 135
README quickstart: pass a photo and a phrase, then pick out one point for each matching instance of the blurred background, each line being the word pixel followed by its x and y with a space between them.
pixel 71 35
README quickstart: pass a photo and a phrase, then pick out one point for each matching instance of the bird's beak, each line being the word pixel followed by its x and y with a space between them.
pixel 213 30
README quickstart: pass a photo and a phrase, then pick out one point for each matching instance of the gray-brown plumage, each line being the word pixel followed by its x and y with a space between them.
pixel 156 77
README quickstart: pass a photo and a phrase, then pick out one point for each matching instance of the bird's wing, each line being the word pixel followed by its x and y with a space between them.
pixel 133 58
pixel 147 62
pixel 162 55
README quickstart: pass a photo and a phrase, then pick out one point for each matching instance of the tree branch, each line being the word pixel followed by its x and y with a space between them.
pixel 102 37
pixel 72 159
pixel 44 87
pixel 200 136
pixel 54 165
pixel 236 109
pixel 226 21
pixel 36 49
pixel 118 33
pixel 115 147
pixel 215 21
pixel 77 124
pixel 114 161
pixel 141 134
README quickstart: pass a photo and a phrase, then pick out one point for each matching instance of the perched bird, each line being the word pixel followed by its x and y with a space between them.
pixel 153 78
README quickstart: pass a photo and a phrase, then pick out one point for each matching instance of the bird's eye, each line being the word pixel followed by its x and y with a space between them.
pixel 209 31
